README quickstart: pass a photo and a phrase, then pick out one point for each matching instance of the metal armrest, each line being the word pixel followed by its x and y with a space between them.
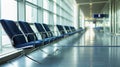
pixel 12 40
pixel 25 35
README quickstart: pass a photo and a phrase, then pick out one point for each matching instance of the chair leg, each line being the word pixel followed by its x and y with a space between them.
pixel 32 59
pixel 45 52
pixel 24 54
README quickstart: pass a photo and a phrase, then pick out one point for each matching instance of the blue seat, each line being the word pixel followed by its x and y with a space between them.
pixel 74 30
pixel 41 30
pixel 45 28
pixel 51 33
pixel 27 29
pixel 69 32
pixel 18 39
pixel 48 30
pixel 61 30
pixel 44 35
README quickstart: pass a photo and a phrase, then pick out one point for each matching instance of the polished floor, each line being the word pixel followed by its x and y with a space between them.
pixel 92 49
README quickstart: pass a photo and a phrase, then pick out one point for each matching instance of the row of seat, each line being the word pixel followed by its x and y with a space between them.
pixel 23 36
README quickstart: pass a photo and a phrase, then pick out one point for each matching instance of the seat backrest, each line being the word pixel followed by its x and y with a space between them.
pixel 67 29
pixel 70 29
pixel 41 30
pixel 48 30
pixel 73 29
pixel 13 32
pixel 61 29
pixel 28 31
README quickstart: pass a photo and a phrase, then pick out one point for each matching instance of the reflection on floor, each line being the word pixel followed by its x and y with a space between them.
pixel 92 49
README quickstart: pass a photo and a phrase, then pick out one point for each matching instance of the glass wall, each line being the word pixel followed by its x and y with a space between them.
pixel 106 21
pixel 31 14
pixel 112 24
pixel 115 16
pixel 8 10
pixel 51 12
pixel 118 16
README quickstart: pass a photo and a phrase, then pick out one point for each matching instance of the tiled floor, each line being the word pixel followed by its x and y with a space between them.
pixel 92 49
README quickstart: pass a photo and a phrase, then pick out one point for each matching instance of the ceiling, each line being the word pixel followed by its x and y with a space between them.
pixel 90 7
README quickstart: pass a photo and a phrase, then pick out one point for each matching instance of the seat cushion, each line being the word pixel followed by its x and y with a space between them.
pixel 30 44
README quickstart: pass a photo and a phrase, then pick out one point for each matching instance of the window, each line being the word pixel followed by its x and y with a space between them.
pixel 45 12
pixel 45 19
pixel 31 14
pixel 9 9
pixel 32 1
pixel 46 3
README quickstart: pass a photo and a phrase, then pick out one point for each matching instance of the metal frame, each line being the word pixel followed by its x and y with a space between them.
pixel 0 30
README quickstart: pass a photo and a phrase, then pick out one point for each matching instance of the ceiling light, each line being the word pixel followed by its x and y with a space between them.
pixel 90 3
